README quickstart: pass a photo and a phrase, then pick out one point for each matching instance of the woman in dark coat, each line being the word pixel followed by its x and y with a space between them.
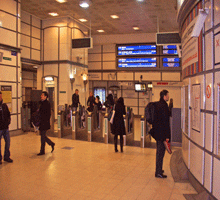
pixel 118 127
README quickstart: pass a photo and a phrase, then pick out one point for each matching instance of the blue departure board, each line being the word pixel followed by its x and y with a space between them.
pixel 169 47
pixel 140 52
pixel 135 60
pixel 136 47
pixel 137 65
pixel 170 52
pixel 171 64
pixel 137 50
pixel 171 59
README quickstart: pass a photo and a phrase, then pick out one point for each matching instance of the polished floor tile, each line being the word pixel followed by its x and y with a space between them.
pixel 84 170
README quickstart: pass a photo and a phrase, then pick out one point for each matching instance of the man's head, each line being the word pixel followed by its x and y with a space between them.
pixel 164 94
pixel 77 91
pixel 0 96
pixel 44 95
pixel 90 94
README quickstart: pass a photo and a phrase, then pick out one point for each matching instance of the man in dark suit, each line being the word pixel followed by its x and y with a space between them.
pixel 5 120
pixel 75 100
pixel 45 113
pixel 161 130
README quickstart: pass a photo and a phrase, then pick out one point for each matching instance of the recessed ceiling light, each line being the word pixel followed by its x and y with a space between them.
pixel 140 0
pixel 114 16
pixel 83 20
pixel 61 1
pixel 53 14
pixel 84 3
pixel 136 28
pixel 100 31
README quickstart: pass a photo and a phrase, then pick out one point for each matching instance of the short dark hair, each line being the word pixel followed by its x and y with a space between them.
pixel 97 97
pixel 76 90
pixel 45 94
pixel 163 93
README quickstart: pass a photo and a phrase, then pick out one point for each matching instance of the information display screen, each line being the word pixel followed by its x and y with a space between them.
pixel 137 62
pixel 170 49
pixel 170 52
pixel 137 50
pixel 140 87
pixel 171 62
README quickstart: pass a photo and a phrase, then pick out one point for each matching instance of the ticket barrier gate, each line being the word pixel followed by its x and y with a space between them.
pixel 26 117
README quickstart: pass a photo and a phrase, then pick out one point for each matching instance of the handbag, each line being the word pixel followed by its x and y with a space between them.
pixel 112 115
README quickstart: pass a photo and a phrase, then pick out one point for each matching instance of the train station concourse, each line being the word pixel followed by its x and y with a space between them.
pixel 78 73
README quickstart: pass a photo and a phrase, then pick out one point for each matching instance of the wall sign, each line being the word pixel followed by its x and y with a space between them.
pixel 7 96
pixel 196 107
pixel 208 91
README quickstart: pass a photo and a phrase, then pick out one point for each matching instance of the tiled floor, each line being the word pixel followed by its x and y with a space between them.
pixel 89 170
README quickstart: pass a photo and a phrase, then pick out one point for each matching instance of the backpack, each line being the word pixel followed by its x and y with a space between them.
pixel 149 112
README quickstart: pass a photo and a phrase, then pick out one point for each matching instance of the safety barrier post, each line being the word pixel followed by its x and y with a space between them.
pixel 73 122
pixel 142 131
pixel 124 136
pixel 89 126
pixel 59 124
pixel 105 128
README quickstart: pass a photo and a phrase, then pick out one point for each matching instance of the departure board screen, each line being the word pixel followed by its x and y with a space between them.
pixel 130 50
pixel 170 49
pixel 171 62
pixel 137 62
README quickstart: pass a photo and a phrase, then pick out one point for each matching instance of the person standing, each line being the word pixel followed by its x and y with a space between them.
pixel 5 120
pixel 90 102
pixel 161 130
pixel 118 126
pixel 45 113
pixel 99 107
pixel 75 100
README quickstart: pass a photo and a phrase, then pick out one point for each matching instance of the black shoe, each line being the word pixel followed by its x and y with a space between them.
pixel 52 146
pixel 40 154
pixel 162 171
pixel 8 160
pixel 160 176
pixel 122 150
pixel 116 150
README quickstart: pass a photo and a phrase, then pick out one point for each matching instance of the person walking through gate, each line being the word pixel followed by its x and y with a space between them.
pixel 118 127
pixel 45 113
pixel 75 100
pixel 161 130
pixel 5 120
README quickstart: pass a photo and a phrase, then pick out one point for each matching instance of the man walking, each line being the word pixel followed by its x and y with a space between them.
pixel 161 130
pixel 45 113
pixel 5 120
pixel 75 100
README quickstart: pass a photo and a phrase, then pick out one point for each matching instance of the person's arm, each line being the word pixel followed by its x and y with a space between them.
pixel 8 114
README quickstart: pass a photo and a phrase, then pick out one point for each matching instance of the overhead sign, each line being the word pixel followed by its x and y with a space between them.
pixel 82 43
pixel 168 38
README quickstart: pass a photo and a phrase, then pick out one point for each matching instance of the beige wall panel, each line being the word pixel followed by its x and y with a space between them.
pixel 64 52
pixel 109 57
pixel 27 75
pixel 94 76
pixel 141 110
pixel 19 40
pixel 19 121
pixel 174 93
pixel 94 65
pixel 36 21
pixel 7 37
pixel 109 76
pixel 109 65
pixel 95 49
pixel 35 55
pixel 63 35
pixel 51 70
pixel 27 83
pixel 109 48
pixel 8 21
pixel 9 6
pixel 13 125
pixel 39 77
pixel 78 55
pixel 130 102
pixel 35 43
pixel 7 73
pixel 148 76
pixel 25 40
pixel 124 38
pixel 130 94
pixel 8 54
pixel 25 29
pixel 216 178
pixel 137 127
pixel 170 76
pixel 51 44
pixel 209 52
pixel 124 76
pixel 14 106
pixel 36 32
pixel 94 57
pixel 25 17
pixel 25 52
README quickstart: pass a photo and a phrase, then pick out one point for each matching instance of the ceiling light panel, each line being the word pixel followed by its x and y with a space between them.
pixel 101 31
pixel 136 28
pixel 114 16
pixel 61 1
pixel 83 20
pixel 53 14
pixel 84 3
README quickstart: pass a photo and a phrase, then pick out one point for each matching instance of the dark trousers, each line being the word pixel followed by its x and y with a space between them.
pixel 116 142
pixel 44 139
pixel 6 136
pixel 159 157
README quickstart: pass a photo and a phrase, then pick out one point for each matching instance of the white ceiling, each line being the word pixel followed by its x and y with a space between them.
pixel 145 15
